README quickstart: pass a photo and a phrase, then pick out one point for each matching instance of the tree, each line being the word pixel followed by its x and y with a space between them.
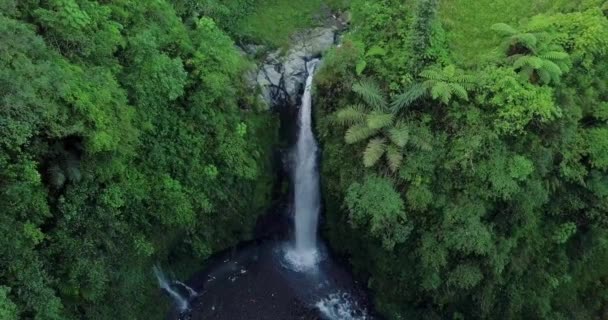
pixel 372 120
pixel 375 204
pixel 534 55
pixel 439 84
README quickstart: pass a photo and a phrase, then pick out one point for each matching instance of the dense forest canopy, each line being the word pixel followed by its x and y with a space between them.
pixel 127 137
pixel 464 163
pixel 482 130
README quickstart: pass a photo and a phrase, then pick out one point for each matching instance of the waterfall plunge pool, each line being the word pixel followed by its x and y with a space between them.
pixel 279 279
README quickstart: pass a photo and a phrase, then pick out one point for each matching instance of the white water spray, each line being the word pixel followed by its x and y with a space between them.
pixel 304 254
pixel 165 284
pixel 340 306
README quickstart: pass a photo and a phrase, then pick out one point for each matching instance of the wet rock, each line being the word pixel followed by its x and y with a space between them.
pixel 282 75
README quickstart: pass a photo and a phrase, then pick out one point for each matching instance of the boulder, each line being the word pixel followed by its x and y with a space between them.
pixel 282 75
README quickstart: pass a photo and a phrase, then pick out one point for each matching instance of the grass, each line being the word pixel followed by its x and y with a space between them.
pixel 468 23
pixel 273 21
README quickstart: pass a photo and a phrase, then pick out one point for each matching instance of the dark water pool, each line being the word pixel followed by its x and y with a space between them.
pixel 255 282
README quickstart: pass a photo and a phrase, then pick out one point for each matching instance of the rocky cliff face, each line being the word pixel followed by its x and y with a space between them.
pixel 282 75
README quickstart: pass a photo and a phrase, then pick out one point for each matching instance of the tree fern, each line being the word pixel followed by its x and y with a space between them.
pixel 534 55
pixel 374 151
pixel 370 92
pixel 358 133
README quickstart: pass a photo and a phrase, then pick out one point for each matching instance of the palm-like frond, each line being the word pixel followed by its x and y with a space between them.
pixel 442 91
pixel 358 133
pixel 544 76
pixel 527 60
pixel 350 115
pixel 378 120
pixel 554 55
pixel 370 92
pixel 399 135
pixel 460 91
pixel 528 40
pixel 504 29
pixel 374 151
pixel 394 156
pixel 405 99
pixel 433 73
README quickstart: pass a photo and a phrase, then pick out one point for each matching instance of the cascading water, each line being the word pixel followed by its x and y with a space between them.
pixel 304 253
pixel 273 280
pixel 165 284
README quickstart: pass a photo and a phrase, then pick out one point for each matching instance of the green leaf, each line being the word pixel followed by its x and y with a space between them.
pixel 399 135
pixel 375 51
pixel 379 120
pixel 358 133
pixel 504 29
pixel 370 92
pixel 411 94
pixel 374 151
pixel 350 115
pixel 360 67
pixel 394 157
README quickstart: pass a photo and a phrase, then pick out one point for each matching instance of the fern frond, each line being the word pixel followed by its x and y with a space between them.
pixel 411 94
pixel 394 156
pixel 552 68
pixel 544 75
pixel 375 51
pixel 432 73
pixel 528 40
pixel 460 91
pixel 374 151
pixel 442 91
pixel 504 29
pixel 526 73
pixel 378 120
pixel 370 92
pixel 554 55
pixel 349 115
pixel 399 135
pixel 531 61
pixel 358 133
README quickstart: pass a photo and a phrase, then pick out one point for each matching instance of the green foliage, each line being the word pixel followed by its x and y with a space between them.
pixel 125 130
pixel 496 153
pixel 534 55
pixel 376 205
pixel 8 310
pixel 439 84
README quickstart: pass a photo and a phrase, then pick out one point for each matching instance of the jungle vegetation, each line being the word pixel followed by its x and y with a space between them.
pixel 464 163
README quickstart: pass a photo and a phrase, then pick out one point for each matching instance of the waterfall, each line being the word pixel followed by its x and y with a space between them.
pixel 303 254
pixel 165 284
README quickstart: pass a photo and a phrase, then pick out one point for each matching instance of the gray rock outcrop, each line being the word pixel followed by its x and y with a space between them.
pixel 281 76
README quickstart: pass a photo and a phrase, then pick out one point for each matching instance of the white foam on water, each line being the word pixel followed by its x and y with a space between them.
pixel 340 306
pixel 302 260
